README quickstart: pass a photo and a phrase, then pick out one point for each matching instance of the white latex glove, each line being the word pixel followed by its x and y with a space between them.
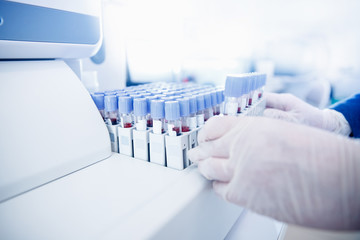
pixel 294 173
pixel 290 108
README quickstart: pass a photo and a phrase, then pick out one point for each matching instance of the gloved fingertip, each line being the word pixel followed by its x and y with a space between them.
pixel 220 188
pixel 192 155
pixel 199 153
pixel 216 127
pixel 205 170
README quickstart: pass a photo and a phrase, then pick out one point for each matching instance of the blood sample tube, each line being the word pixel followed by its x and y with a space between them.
pixel 247 90
pixel 200 106
pixel 148 115
pixel 208 111
pixel 184 114
pixel 262 82
pixel 192 110
pixel 233 92
pixel 252 83
pixel 140 111
pixel 214 103
pixel 220 99
pixel 157 110
pixel 98 99
pixel 125 110
pixel 172 115
pixel 111 109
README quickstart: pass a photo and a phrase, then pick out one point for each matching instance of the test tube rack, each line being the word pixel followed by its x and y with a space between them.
pixel 162 149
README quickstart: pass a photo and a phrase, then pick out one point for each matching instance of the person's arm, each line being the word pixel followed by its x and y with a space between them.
pixel 350 109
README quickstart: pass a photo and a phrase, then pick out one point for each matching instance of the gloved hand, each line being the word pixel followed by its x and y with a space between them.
pixel 290 108
pixel 294 173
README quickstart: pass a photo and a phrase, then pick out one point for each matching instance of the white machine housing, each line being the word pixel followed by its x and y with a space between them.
pixel 49 29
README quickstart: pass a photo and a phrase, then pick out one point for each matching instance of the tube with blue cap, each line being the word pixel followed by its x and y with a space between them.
pixel 111 109
pixel 234 90
pixel 184 114
pixel 220 99
pixel 149 119
pixel 208 112
pixel 125 110
pixel 200 106
pixel 98 99
pixel 140 112
pixel 172 115
pixel 157 110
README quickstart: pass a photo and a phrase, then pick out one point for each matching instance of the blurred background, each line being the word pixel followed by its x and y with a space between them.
pixel 310 48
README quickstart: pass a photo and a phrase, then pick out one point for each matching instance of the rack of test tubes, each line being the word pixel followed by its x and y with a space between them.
pixel 159 122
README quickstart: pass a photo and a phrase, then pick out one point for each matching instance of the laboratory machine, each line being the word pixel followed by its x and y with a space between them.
pixel 67 174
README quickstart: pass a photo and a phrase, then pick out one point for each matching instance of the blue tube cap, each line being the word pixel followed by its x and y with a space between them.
pixel 200 102
pixel 207 97
pixel 111 103
pixel 184 106
pixel 148 100
pixel 157 109
pixel 193 104
pixel 172 110
pixel 125 105
pixel 111 92
pixel 214 101
pixel 98 98
pixel 140 107
pixel 220 95
pixel 237 85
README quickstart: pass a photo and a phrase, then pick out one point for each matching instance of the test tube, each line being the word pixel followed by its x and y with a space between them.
pixel 140 111
pixel 98 99
pixel 148 115
pixel 252 86
pixel 157 110
pixel 172 115
pixel 184 114
pixel 247 90
pixel 214 102
pixel 261 87
pixel 234 87
pixel 192 110
pixel 111 109
pixel 208 112
pixel 125 110
pixel 200 106
pixel 220 99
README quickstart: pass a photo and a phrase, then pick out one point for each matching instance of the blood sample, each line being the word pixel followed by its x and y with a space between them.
pixel 98 99
pixel 235 87
pixel 252 83
pixel 208 111
pixel 220 99
pixel 111 109
pixel 140 111
pixel 157 111
pixel 172 115
pixel 247 90
pixel 262 83
pixel 200 106
pixel 192 110
pixel 214 102
pixel 149 119
pixel 125 110
pixel 184 114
